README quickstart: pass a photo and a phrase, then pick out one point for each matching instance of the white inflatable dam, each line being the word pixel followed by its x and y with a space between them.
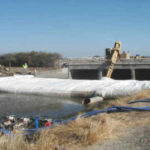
pixel 107 88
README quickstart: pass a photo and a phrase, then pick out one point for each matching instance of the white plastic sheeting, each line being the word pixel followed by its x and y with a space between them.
pixel 106 87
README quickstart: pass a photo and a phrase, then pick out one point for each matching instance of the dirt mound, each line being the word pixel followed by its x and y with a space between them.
pixel 4 71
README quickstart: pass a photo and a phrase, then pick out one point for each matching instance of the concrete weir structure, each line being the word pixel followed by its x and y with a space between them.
pixel 123 69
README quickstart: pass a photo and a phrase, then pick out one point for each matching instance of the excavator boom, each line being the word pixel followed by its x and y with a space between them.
pixel 115 52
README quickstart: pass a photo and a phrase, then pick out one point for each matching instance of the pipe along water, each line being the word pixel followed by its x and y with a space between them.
pixel 88 114
pixel 92 100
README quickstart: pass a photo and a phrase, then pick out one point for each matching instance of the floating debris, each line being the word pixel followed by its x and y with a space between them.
pixel 12 123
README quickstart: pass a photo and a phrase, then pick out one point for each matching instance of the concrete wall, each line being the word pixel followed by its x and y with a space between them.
pixel 124 69
pixel 120 74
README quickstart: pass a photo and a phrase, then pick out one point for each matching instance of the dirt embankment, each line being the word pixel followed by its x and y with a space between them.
pixel 41 71
pixel 4 71
pixel 137 138
pixel 45 72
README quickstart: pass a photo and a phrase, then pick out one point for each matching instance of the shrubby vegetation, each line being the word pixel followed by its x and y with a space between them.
pixel 33 59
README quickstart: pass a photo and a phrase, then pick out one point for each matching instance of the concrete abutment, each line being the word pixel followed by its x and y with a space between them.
pixel 124 71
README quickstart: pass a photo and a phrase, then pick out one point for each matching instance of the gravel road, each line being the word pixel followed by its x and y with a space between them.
pixel 135 139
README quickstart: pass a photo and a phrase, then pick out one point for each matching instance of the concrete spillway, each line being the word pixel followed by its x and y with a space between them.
pixel 123 70
pixel 107 88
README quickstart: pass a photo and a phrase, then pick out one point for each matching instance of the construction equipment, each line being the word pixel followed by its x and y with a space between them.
pixel 115 53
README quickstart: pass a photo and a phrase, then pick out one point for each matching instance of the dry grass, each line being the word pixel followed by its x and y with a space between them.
pixel 16 143
pixel 122 101
pixel 83 132
pixel 75 134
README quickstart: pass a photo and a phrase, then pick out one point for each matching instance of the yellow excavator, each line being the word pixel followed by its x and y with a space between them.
pixel 115 54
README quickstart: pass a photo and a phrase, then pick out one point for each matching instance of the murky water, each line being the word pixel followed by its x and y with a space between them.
pixel 32 105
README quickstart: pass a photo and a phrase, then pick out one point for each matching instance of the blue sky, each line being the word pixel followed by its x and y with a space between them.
pixel 74 28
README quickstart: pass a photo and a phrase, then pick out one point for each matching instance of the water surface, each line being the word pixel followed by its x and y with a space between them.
pixel 33 105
